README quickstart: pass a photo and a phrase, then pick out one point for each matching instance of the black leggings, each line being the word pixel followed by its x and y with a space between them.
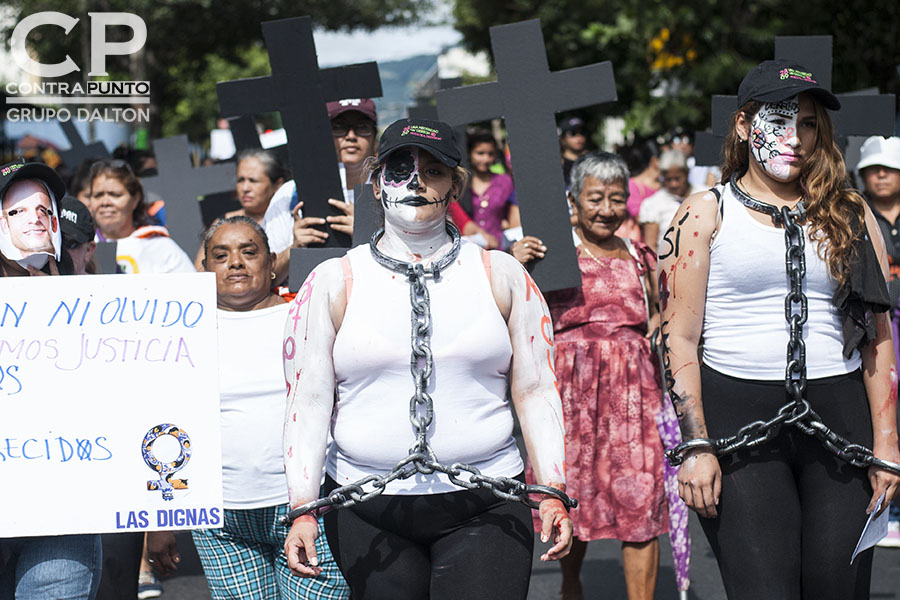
pixel 466 544
pixel 790 513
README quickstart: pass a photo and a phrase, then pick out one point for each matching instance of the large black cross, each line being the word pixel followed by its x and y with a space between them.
pixel 860 114
pixel 243 130
pixel 366 220
pixel 298 89
pixel 78 151
pixel 181 185
pixel 105 258
pixel 528 96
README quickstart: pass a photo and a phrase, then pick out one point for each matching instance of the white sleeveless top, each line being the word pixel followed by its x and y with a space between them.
pixel 744 330
pixel 473 420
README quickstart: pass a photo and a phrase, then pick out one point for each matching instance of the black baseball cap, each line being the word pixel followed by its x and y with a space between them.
pixel 19 170
pixel 571 124
pixel 777 80
pixel 437 137
pixel 75 220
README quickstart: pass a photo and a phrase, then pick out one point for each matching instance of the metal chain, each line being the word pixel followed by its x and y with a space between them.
pixel 421 458
pixel 796 411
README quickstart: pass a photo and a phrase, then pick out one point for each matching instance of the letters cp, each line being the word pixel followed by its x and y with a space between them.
pixel 100 48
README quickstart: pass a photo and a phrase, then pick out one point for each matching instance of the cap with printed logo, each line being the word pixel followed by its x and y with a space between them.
pixel 75 220
pixel 777 80
pixel 437 137
pixel 19 170
pixel 361 105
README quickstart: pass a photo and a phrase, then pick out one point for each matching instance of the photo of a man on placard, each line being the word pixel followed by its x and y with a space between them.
pixel 29 224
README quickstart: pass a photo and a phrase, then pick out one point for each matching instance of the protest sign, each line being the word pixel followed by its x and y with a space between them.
pixel 109 417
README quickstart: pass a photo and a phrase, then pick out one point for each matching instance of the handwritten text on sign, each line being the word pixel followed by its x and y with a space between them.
pixel 108 404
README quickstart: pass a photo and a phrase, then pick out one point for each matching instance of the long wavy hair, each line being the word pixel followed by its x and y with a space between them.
pixel 835 211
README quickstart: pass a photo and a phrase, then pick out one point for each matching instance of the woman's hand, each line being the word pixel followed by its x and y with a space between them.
pixel 700 482
pixel 304 232
pixel 342 223
pixel 527 249
pixel 300 547
pixel 883 481
pixel 555 525
pixel 162 552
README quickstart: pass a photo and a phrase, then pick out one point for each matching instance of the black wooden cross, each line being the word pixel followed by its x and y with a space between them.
pixel 528 96
pixel 181 185
pixel 243 130
pixel 78 151
pixel 860 114
pixel 366 220
pixel 299 90
pixel 105 258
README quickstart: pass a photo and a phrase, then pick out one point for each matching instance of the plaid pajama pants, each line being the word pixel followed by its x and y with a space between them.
pixel 245 559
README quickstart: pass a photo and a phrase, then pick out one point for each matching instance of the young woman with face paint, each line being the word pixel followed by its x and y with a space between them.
pixel 347 363
pixel 783 518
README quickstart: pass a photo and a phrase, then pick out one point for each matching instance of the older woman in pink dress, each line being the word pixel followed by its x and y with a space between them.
pixel 609 382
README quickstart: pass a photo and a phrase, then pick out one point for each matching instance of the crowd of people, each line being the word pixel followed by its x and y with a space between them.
pixel 682 300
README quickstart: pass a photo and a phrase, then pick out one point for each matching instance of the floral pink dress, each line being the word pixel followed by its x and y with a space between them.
pixel 610 387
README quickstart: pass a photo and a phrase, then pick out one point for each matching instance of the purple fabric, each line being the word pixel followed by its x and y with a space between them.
pixel 670 434
pixel 497 200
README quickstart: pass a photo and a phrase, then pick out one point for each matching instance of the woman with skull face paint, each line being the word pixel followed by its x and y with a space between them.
pixel 783 517
pixel 347 363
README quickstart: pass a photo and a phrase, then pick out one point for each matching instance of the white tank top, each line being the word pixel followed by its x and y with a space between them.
pixel 473 421
pixel 745 334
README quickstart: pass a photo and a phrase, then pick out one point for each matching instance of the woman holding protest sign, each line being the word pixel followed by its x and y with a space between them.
pixel 244 558
pixel 44 566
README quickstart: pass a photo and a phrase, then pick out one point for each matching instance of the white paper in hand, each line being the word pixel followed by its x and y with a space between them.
pixel 873 532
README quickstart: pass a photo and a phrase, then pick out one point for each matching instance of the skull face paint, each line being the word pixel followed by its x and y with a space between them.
pixel 773 138
pixel 400 179
pixel 414 185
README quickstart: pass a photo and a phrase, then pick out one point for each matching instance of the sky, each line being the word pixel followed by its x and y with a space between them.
pixel 384 44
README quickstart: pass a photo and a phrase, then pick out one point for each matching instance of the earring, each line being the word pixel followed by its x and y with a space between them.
pixel 273 275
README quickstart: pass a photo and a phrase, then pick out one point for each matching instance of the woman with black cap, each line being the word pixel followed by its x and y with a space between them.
pixel 782 512
pixel 347 363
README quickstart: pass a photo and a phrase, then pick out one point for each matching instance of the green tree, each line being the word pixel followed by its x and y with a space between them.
pixel 670 57
pixel 193 44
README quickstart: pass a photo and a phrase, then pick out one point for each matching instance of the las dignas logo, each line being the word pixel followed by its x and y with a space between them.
pixel 93 92
pixel 166 469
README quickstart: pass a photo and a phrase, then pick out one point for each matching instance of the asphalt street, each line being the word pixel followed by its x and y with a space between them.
pixel 602 573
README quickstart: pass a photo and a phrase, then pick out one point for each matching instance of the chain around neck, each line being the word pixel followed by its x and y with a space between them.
pixel 408 268
pixel 798 212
